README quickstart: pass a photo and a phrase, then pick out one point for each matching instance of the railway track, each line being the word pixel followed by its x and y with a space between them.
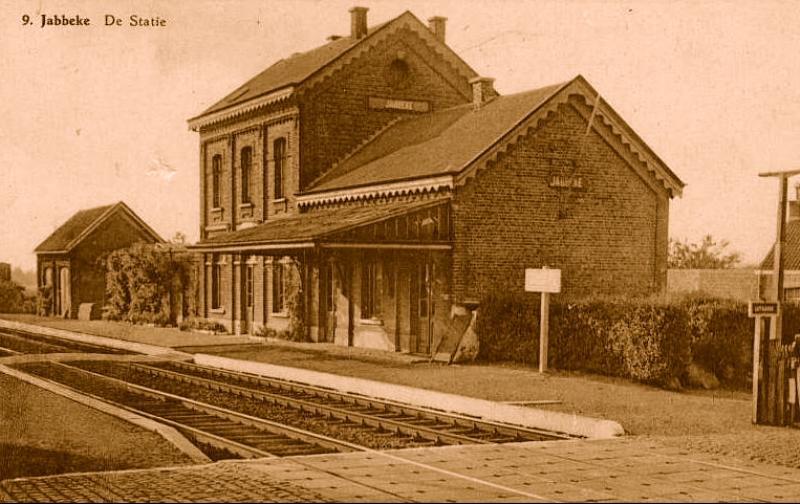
pixel 229 414
pixel 7 352
pixel 27 343
pixel 418 425
pixel 211 427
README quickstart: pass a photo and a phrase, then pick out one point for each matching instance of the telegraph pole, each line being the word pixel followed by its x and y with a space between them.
pixel 780 244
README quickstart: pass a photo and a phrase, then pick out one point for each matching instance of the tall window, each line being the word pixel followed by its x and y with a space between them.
pixel 370 297
pixel 250 291
pixel 216 288
pixel 216 176
pixel 247 161
pixel 279 156
pixel 278 290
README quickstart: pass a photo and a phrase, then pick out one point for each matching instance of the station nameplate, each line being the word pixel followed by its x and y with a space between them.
pixel 758 308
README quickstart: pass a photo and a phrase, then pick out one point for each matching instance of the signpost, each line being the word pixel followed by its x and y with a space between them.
pixel 759 310
pixel 544 281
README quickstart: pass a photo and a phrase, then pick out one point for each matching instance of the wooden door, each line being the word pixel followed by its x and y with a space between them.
pixel 327 302
pixel 421 307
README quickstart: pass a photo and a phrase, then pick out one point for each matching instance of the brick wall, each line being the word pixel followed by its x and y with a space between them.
pixel 607 237
pixel 335 114
pixel 741 284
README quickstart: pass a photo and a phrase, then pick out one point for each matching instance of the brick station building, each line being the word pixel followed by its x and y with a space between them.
pixel 375 188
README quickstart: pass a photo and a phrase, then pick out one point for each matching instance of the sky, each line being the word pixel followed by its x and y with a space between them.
pixel 92 115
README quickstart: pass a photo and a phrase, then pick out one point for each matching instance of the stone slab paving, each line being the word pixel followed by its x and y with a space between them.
pixel 615 470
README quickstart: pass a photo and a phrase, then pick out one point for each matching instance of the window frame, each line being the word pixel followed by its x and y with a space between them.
pixel 216 284
pixel 246 172
pixel 216 181
pixel 278 289
pixel 370 290
pixel 250 292
pixel 279 157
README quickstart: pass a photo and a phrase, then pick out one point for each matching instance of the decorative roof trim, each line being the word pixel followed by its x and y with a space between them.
pixel 229 113
pixel 238 247
pixel 396 246
pixel 625 135
pixel 105 215
pixel 404 20
pixel 398 188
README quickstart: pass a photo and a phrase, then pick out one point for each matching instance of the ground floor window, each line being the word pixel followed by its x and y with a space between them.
pixel 370 294
pixel 278 287
pixel 249 288
pixel 216 288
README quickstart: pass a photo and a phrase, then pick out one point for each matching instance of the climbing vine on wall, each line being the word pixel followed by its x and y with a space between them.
pixel 144 280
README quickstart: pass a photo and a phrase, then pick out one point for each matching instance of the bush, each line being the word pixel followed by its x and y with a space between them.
pixel 142 280
pixel 645 340
pixel 202 325
pixel 722 339
pixel 12 297
pixel 654 343
pixel 508 328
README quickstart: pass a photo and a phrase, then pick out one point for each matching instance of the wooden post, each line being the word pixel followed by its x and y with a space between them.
pixel 780 242
pixel 756 366
pixel 544 281
pixel 544 331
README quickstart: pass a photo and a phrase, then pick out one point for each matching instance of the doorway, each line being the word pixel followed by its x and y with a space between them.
pixel 64 297
pixel 327 308
pixel 422 308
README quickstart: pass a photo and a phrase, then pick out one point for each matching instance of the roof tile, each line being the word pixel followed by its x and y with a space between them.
pixel 433 144
pixel 77 224
pixel 317 224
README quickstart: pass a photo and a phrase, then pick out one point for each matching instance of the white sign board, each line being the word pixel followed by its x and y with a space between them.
pixel 542 280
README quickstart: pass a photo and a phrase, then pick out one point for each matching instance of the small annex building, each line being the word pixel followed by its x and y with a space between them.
pixel 372 191
pixel 67 261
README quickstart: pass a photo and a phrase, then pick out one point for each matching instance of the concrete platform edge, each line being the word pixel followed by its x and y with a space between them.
pixel 170 434
pixel 96 340
pixel 572 424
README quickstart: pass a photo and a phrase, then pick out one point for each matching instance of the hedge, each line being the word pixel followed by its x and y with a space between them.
pixel 652 340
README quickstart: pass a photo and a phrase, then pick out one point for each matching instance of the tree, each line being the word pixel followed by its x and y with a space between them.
pixel 708 254
pixel 178 238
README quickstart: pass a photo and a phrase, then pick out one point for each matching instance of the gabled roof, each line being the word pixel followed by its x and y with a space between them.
pixel 434 144
pixel 306 228
pixel 300 67
pixel 288 71
pixel 450 141
pixel 82 223
pixel 791 249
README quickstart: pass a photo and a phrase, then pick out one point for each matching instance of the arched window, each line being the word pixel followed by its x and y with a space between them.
pixel 279 156
pixel 246 161
pixel 216 182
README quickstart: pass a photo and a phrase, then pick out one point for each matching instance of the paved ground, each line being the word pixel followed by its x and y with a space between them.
pixel 620 470
pixel 714 466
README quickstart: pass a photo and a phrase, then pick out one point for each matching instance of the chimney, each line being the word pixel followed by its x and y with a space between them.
pixel 358 22
pixel 482 91
pixel 436 24
pixel 794 206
